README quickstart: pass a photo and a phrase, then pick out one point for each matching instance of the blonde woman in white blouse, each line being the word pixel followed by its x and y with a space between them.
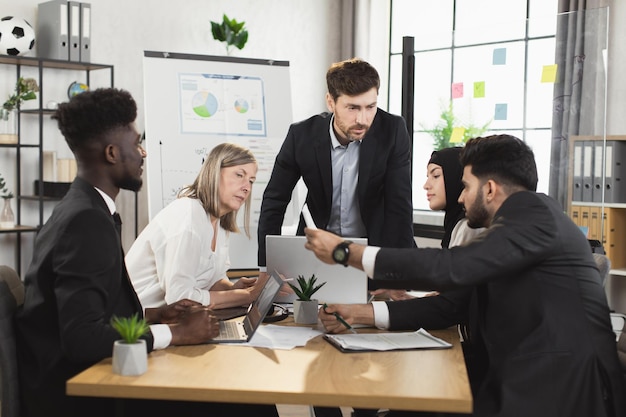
pixel 183 252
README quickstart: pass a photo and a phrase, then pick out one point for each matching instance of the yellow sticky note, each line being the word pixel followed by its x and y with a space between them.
pixel 479 89
pixel 548 75
pixel 457 135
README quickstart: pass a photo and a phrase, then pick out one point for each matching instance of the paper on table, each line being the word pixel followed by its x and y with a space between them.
pixel 419 339
pixel 280 337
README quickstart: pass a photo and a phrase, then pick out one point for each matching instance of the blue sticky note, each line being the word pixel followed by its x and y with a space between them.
pixel 501 111
pixel 499 56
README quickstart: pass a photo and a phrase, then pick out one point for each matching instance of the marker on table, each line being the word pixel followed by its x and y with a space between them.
pixel 339 318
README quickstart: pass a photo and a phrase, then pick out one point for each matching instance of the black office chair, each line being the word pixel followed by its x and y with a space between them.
pixel 11 296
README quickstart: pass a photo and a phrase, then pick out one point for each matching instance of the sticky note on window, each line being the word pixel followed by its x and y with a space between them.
pixel 457 135
pixel 457 90
pixel 548 75
pixel 479 89
pixel 501 111
pixel 499 56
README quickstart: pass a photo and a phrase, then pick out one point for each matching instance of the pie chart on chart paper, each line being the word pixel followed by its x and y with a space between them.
pixel 241 105
pixel 204 104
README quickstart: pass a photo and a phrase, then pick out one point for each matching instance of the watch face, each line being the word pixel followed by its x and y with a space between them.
pixel 339 255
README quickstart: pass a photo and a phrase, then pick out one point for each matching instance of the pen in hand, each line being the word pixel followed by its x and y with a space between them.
pixel 339 318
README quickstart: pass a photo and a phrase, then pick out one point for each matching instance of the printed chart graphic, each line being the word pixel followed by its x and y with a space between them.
pixel 222 104
pixel 204 104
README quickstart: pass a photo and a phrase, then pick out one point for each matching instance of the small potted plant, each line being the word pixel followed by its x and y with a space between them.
pixel 231 32
pixel 130 354
pixel 304 307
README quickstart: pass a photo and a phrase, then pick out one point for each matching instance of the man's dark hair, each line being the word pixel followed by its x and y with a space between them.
pixel 504 158
pixel 351 78
pixel 89 115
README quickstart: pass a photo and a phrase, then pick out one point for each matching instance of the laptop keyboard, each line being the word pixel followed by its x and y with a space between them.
pixel 228 330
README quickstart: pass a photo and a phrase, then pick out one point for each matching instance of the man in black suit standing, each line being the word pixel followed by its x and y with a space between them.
pixel 539 310
pixel 354 160
pixel 78 280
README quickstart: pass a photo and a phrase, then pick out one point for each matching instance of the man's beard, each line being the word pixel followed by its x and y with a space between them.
pixel 131 184
pixel 477 215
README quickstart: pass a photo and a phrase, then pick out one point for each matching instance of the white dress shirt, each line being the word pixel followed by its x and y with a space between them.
pixel 172 258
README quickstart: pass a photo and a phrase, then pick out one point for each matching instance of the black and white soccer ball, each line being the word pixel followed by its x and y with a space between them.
pixel 17 36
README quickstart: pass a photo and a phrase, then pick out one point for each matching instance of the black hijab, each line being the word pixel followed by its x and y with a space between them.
pixel 449 161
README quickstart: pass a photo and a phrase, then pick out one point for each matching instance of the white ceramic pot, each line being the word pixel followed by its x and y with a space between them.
pixel 305 312
pixel 130 359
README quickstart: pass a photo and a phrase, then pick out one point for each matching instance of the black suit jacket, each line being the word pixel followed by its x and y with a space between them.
pixel 540 308
pixel 77 280
pixel 384 188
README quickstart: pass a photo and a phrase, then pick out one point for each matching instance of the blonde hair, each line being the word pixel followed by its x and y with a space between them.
pixel 206 186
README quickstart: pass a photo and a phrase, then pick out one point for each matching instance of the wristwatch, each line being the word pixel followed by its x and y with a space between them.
pixel 341 253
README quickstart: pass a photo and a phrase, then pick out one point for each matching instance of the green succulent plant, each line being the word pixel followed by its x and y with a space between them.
pixel 231 32
pixel 130 328
pixel 306 287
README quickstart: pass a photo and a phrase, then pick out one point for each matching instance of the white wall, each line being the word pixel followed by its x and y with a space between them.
pixel 305 33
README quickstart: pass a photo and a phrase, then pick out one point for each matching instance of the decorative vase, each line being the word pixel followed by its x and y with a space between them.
pixel 7 218
pixel 8 126
pixel 130 359
pixel 305 312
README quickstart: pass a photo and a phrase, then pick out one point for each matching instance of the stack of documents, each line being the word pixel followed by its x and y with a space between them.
pixel 363 342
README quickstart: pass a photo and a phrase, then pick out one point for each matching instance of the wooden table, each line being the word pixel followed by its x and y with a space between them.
pixel 317 374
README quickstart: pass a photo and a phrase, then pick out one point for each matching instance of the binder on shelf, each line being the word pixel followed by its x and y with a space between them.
pixel 595 223
pixel 597 178
pixel 74 21
pixel 584 220
pixel 577 181
pixel 49 166
pixel 53 30
pixel 587 194
pixel 615 173
pixel 85 32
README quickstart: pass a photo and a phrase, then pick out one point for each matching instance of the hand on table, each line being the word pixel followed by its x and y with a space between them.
pixel 171 313
pixel 196 327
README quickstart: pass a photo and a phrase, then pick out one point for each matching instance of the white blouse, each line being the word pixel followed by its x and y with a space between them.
pixel 172 258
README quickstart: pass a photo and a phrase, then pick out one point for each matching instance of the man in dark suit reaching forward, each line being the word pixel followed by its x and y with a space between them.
pixel 77 279
pixel 355 162
pixel 540 311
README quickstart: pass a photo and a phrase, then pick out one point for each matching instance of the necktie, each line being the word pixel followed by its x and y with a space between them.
pixel 118 226
pixel 118 223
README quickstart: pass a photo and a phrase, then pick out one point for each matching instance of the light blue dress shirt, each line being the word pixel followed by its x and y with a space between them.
pixel 345 214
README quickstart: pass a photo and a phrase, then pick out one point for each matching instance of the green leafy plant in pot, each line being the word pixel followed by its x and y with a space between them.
pixel 304 307
pixel 231 32
pixel 130 354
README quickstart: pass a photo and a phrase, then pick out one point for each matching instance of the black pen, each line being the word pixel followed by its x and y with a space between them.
pixel 339 318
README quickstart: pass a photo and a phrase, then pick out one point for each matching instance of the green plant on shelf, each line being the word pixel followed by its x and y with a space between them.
pixel 306 287
pixel 130 328
pixel 25 89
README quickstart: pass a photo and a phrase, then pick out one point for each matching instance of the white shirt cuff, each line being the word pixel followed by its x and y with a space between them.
pixel 369 259
pixel 162 335
pixel 262 269
pixel 381 314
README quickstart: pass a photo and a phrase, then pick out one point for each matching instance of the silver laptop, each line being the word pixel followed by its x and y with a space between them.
pixel 242 330
pixel 287 255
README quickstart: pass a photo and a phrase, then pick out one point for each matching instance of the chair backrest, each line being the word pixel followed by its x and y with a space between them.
pixel 604 265
pixel 11 296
